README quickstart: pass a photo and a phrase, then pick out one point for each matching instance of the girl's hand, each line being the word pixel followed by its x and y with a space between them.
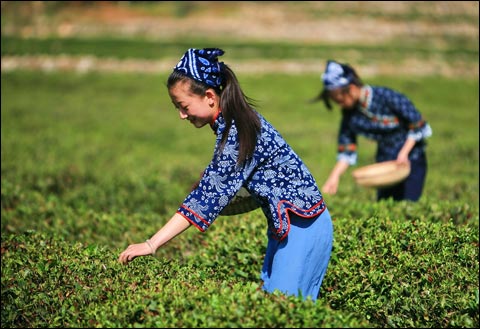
pixel 176 225
pixel 330 186
pixel 133 251
pixel 402 158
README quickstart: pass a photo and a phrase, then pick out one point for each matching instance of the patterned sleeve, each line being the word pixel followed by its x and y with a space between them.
pixel 219 183
pixel 347 144
pixel 418 128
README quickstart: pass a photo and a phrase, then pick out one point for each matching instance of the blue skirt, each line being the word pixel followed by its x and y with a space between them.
pixel 297 264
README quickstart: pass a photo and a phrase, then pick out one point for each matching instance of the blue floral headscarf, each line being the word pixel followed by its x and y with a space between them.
pixel 337 75
pixel 202 65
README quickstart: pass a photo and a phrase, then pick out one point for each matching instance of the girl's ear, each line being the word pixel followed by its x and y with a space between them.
pixel 211 96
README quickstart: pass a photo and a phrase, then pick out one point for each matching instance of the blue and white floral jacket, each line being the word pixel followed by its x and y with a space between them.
pixel 387 117
pixel 275 176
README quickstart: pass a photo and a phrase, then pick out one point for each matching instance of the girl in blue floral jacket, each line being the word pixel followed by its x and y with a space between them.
pixel 250 153
pixel 380 114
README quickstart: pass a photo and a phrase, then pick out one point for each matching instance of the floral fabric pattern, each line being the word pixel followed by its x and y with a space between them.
pixel 387 117
pixel 275 176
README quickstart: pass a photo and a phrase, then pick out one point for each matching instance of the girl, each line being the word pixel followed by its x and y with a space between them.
pixel 381 114
pixel 248 153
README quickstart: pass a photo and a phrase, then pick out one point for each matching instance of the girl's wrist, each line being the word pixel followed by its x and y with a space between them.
pixel 151 246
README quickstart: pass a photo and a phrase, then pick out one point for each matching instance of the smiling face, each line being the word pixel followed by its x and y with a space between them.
pixel 199 110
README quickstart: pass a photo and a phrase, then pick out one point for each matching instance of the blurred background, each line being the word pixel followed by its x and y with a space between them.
pixel 116 56
pixel 377 37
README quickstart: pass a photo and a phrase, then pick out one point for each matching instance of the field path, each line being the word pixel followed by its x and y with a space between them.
pixel 84 64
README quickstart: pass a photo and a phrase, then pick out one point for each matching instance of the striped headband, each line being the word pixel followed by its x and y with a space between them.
pixel 202 65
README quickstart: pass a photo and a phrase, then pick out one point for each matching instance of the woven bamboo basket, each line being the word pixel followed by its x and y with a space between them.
pixel 241 203
pixel 381 174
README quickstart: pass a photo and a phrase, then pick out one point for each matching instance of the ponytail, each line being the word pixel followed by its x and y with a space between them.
pixel 238 107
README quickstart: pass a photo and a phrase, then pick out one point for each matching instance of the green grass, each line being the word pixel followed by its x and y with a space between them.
pixel 91 163
pixel 458 49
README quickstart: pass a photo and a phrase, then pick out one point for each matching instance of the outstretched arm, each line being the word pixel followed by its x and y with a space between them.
pixel 331 185
pixel 176 225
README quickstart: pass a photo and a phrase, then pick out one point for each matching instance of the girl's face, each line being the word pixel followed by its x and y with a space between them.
pixel 199 110
pixel 345 97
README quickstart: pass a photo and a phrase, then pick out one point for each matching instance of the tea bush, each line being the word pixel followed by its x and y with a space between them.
pixel 91 163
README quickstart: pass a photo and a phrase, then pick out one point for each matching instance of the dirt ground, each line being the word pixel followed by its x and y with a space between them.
pixel 332 22
pixel 309 21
